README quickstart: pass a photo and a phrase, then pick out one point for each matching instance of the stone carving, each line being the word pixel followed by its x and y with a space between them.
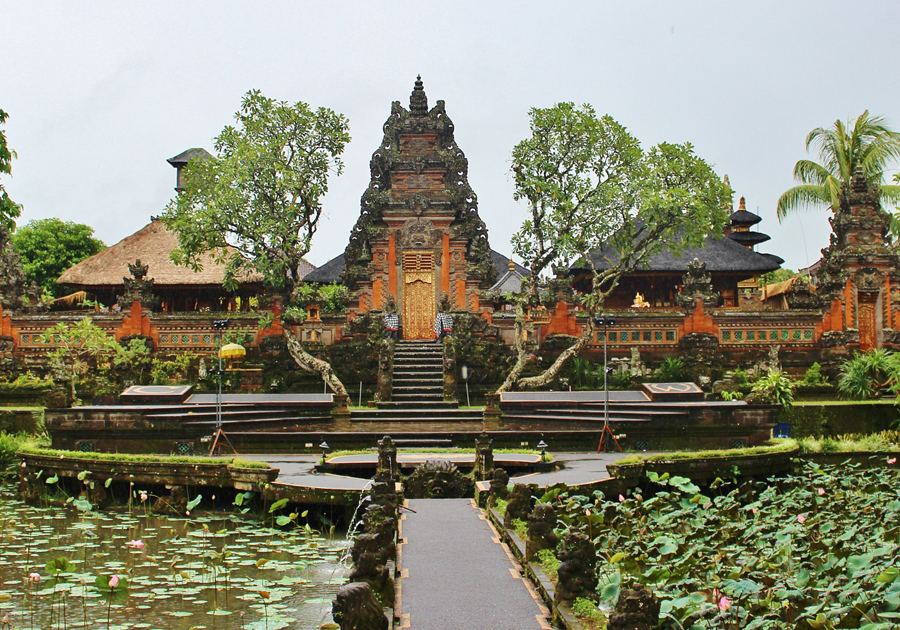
pixel 419 234
pixel 499 486
pixel 577 559
pixel 802 295
pixel 636 367
pixel 385 369
pixel 541 523
pixel 387 457
pixel 437 480
pixel 448 362
pixel 636 609
pixel 484 457
pixel 355 608
pixel 519 504
pixel 138 288
pixel 16 293
pixel 697 285
pixel 454 199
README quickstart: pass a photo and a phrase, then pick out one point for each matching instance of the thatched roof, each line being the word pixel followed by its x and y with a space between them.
pixel 152 245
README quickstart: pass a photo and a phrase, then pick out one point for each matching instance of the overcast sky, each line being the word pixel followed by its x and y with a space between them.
pixel 100 94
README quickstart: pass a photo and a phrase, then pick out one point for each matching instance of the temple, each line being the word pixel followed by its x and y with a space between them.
pixel 418 235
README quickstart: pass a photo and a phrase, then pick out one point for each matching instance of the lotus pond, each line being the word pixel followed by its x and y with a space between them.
pixel 62 568
pixel 817 549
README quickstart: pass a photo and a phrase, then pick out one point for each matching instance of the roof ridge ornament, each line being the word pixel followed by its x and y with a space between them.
pixel 418 102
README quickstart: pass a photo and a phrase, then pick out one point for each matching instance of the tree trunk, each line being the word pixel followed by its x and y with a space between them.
pixel 521 354
pixel 550 373
pixel 311 364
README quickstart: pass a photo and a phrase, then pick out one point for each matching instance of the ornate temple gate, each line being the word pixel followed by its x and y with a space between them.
pixel 418 295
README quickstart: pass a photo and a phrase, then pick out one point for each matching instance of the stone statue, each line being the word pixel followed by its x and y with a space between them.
pixel 541 523
pixel 576 570
pixel 484 457
pixel 636 609
pixel 499 486
pixel 697 285
pixel 387 457
pixel 138 288
pixel 355 608
pixel 438 480
pixel 519 505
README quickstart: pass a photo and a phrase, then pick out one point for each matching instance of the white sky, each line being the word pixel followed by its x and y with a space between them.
pixel 101 93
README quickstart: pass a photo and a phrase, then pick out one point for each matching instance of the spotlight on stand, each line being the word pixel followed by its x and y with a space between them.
pixel 606 434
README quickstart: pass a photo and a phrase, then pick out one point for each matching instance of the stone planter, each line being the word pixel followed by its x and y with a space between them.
pixel 706 469
pixel 251 478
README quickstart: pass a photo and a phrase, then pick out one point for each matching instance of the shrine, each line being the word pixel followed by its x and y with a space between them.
pixel 419 234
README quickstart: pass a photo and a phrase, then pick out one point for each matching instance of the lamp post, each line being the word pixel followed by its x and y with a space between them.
pixel 542 447
pixel 606 322
pixel 464 373
pixel 324 446
pixel 220 325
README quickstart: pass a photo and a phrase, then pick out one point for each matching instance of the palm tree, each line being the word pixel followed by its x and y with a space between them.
pixel 869 144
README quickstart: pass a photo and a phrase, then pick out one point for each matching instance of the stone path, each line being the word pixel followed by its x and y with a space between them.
pixel 456 574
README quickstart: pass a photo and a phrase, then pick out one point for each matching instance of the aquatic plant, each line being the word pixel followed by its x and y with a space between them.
pixel 816 549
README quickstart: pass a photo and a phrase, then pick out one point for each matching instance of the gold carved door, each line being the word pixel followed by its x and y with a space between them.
pixel 418 295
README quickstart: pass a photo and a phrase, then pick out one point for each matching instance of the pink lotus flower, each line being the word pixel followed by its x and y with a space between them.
pixel 34 577
pixel 892 460
pixel 801 518
pixel 621 498
pixel 187 512
pixel 135 544
pixel 114 581
pixel 143 495
pixel 821 491
pixel 755 511
pixel 24 465
pixel 724 604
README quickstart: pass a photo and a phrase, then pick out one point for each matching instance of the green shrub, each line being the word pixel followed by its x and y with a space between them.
pixel 587 611
pixel 775 387
pixel 740 377
pixel 521 528
pixel 814 376
pixel 549 563
pixel 863 375
pixel 671 370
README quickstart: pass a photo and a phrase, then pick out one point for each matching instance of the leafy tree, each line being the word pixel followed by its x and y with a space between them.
pixel 779 275
pixel 595 196
pixel 83 349
pixel 257 203
pixel 9 209
pixel 50 246
pixel 866 143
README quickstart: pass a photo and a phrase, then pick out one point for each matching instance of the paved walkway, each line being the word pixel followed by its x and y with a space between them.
pixel 456 574
pixel 579 468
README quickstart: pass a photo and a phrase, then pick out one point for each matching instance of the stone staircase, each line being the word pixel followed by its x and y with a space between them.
pixel 418 389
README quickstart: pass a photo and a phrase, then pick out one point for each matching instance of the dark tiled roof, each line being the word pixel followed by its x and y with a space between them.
pixel 745 217
pixel 749 238
pixel 331 271
pixel 719 254
pixel 185 156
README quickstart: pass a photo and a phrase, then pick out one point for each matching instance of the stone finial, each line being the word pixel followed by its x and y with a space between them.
pixel 742 205
pixel 512 265
pixel 418 102
pixel 858 181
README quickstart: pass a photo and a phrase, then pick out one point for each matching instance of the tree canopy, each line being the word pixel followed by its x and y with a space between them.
pixel 596 197
pixel 9 210
pixel 256 204
pixel 48 247
pixel 866 143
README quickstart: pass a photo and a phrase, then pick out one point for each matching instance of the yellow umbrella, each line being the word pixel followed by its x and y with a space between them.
pixel 232 351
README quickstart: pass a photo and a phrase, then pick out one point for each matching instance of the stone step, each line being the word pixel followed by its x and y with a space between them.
pixel 419 415
pixel 411 406
pixel 423 374
pixel 413 389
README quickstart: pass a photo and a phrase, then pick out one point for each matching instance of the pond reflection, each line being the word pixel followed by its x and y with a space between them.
pixel 208 572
